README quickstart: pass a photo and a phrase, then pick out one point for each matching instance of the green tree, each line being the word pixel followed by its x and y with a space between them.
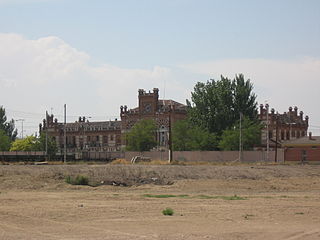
pixel 216 105
pixel 30 143
pixel 41 144
pixel 251 135
pixel 4 141
pixel 188 137
pixel 7 127
pixel 142 136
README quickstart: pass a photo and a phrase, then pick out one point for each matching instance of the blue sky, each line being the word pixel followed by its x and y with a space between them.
pixel 101 52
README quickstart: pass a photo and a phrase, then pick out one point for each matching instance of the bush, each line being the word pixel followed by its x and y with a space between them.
pixel 79 180
pixel 168 212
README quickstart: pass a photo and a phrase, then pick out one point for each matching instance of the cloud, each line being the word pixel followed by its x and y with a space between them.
pixel 36 75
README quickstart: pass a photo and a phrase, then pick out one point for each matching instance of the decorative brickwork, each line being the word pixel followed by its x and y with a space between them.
pixel 150 107
pixel 83 135
pixel 289 125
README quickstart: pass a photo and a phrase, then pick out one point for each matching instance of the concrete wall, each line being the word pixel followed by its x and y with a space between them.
pixel 211 156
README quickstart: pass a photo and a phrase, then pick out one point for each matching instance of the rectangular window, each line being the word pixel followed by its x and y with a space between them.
pixel 282 135
pixel 270 134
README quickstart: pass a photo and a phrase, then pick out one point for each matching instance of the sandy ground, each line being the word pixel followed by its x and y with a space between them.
pixel 279 202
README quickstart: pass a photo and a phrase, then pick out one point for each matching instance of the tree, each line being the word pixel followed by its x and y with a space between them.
pixel 41 144
pixel 251 135
pixel 30 143
pixel 142 136
pixel 188 137
pixel 7 127
pixel 4 141
pixel 216 105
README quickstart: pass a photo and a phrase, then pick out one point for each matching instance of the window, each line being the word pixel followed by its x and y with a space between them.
pixel 270 134
pixel 282 135
pixel 288 135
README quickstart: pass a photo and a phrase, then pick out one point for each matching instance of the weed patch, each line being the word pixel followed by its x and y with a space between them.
pixel 78 180
pixel 168 212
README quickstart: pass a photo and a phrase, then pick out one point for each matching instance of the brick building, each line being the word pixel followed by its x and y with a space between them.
pixel 83 135
pixel 304 149
pixel 288 126
pixel 151 107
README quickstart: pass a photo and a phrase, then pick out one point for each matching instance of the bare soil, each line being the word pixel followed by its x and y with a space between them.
pixel 271 202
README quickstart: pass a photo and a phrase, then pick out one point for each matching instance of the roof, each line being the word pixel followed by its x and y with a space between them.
pixel 163 103
pixel 303 141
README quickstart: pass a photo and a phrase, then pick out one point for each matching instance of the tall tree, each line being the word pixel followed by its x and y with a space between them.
pixel 244 99
pixel 142 136
pixel 216 105
pixel 250 137
pixel 188 137
pixel 4 141
pixel 7 127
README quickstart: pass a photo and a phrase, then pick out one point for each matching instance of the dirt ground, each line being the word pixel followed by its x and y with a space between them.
pixel 271 202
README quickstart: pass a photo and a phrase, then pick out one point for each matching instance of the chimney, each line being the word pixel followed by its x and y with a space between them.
pixel 261 108
pixel 296 110
pixel 301 115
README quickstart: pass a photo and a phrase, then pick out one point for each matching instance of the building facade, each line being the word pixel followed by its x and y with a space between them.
pixel 304 149
pixel 83 135
pixel 163 112
pixel 282 127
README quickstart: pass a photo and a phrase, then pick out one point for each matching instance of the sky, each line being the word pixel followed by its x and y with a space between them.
pixel 95 55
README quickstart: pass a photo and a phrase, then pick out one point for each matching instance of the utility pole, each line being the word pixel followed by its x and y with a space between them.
pixel 268 142
pixel 46 134
pixel 277 130
pixel 21 120
pixel 170 137
pixel 65 135
pixel 240 139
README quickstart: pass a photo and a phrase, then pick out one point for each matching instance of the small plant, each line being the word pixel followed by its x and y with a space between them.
pixel 79 180
pixel 168 212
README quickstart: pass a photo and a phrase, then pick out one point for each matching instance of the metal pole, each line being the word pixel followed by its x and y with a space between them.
pixel 22 127
pixel 47 134
pixel 268 143
pixel 65 135
pixel 21 120
pixel 170 138
pixel 240 139
pixel 277 129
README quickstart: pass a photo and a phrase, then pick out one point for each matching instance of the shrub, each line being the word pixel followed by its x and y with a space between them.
pixel 168 212
pixel 79 180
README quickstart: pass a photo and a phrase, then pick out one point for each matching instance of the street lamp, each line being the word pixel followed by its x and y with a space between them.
pixel 21 120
